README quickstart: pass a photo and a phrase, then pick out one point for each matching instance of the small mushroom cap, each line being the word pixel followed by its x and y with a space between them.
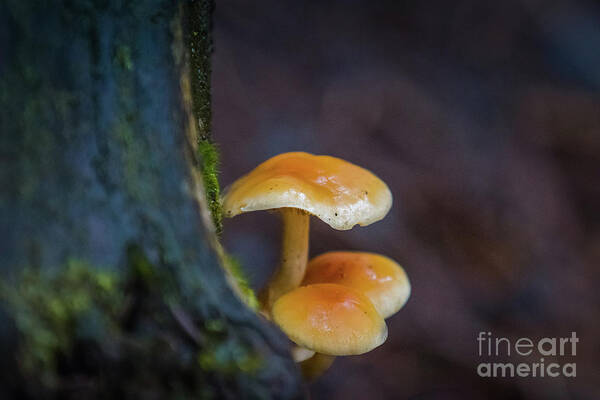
pixel 380 278
pixel 330 319
pixel 338 192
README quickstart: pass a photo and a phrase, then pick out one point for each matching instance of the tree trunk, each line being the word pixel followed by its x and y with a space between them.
pixel 113 282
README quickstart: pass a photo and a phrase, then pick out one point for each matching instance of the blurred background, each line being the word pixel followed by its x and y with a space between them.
pixel 484 120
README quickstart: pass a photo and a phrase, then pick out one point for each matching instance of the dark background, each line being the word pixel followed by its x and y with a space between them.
pixel 484 119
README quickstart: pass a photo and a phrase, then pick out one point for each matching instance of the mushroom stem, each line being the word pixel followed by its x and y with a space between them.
pixel 294 256
pixel 316 366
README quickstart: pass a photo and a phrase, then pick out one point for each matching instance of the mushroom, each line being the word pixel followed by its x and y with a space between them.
pixel 380 278
pixel 299 185
pixel 330 319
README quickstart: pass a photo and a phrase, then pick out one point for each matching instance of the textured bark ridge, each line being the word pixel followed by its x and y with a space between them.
pixel 112 279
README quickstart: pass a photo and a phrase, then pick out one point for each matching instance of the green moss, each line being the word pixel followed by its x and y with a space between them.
pixel 141 268
pixel 123 57
pixel 58 310
pixel 235 267
pixel 52 308
pixel 199 48
pixel 209 165
pixel 215 326
pixel 229 358
pixel 209 156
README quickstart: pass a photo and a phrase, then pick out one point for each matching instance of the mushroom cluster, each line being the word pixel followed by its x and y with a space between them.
pixel 335 304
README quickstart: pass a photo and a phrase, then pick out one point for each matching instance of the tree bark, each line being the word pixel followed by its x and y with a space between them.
pixel 113 282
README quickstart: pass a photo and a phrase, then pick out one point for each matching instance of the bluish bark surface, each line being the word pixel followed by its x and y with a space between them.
pixel 101 113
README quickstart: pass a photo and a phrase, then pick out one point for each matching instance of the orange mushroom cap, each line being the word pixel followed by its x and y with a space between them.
pixel 336 191
pixel 330 319
pixel 380 278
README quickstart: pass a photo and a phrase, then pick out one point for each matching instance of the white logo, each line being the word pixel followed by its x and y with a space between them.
pixel 555 348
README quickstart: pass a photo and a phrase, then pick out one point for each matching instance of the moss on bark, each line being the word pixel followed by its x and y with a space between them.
pixel 114 283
